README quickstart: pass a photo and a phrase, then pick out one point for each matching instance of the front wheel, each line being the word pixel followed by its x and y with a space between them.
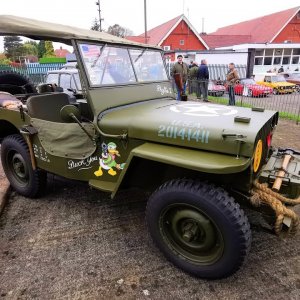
pixel 199 228
pixel 16 163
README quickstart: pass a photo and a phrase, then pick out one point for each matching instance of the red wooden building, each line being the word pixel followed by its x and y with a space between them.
pixel 175 35
pixel 279 27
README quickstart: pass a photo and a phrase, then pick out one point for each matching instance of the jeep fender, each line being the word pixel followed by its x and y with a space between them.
pixel 197 160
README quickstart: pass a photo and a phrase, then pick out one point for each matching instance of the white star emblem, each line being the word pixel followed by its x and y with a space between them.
pixel 203 110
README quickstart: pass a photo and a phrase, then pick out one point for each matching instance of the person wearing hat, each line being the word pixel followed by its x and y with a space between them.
pixel 182 69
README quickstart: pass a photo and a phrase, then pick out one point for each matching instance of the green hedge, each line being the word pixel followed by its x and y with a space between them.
pixel 49 60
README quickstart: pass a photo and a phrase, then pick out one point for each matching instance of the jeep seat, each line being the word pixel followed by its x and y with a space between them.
pixel 47 106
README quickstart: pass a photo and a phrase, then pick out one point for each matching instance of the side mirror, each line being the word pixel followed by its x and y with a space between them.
pixel 69 113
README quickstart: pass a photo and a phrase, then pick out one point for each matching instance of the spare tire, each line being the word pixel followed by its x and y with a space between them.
pixel 15 83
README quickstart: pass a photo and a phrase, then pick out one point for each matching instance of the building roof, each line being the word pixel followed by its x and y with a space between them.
pixel 263 29
pixel 215 40
pixel 158 34
pixel 61 52
pixel 40 30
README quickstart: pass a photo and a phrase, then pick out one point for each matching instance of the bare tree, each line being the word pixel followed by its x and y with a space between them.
pixel 119 30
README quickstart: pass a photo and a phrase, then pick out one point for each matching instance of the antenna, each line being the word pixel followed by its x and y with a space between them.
pixel 100 19
pixel 183 2
pixel 145 19
pixel 188 12
pixel 202 25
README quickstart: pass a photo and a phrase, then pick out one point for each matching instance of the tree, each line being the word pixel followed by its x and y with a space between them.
pixel 41 49
pixel 118 30
pixel 96 25
pixel 49 49
pixel 13 47
pixel 30 49
pixel 4 60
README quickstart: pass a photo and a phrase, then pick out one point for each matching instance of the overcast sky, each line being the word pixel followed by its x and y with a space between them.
pixel 130 13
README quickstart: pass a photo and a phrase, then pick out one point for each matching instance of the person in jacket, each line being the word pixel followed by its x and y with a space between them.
pixel 180 69
pixel 193 79
pixel 203 77
pixel 232 78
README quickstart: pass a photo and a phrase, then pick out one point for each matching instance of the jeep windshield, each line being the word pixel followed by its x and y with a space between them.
pixel 113 65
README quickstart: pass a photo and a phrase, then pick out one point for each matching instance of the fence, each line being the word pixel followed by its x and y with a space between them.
pixel 35 72
pixel 218 72
pixel 286 100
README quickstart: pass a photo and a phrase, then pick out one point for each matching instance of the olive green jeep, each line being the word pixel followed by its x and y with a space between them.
pixel 200 161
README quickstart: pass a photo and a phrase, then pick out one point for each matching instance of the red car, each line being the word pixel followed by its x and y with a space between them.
pixel 248 87
pixel 216 90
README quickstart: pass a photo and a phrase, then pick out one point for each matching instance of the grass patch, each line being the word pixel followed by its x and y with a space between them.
pixel 282 114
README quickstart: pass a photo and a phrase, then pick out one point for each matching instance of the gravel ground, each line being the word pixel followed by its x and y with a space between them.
pixel 76 243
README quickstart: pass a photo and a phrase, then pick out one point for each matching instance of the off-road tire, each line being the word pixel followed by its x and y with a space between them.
pixel 15 83
pixel 17 166
pixel 223 213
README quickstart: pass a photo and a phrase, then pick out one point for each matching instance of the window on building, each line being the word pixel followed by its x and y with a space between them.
pixel 258 61
pixel 269 52
pixel 259 52
pixel 181 42
pixel 268 61
pixel 278 52
pixel 286 60
pixel 295 60
pixel 277 61
pixel 296 51
pixel 167 48
pixel 287 51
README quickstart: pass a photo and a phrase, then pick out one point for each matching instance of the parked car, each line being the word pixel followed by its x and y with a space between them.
pixel 277 82
pixel 216 89
pixel 68 79
pixel 293 78
pixel 248 87
pixel 197 161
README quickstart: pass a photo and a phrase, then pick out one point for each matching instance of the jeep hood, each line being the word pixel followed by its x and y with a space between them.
pixel 210 127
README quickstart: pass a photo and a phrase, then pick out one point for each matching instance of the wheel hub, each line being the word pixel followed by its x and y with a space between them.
pixel 19 167
pixel 192 233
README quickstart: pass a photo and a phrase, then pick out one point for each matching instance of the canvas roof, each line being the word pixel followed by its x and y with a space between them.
pixel 40 30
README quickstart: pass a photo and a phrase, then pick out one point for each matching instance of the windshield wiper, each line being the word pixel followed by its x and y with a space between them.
pixel 96 60
pixel 140 55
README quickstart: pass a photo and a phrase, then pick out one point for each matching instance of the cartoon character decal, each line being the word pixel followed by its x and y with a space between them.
pixel 108 160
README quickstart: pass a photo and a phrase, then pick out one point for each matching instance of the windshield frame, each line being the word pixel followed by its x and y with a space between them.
pixel 128 48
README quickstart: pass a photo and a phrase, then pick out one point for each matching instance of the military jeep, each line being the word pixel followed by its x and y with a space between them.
pixel 200 161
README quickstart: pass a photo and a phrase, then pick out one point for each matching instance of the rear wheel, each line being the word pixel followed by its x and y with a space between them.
pixel 16 163
pixel 199 228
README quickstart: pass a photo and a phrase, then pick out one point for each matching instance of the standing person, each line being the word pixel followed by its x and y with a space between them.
pixel 232 77
pixel 203 77
pixel 281 69
pixel 193 79
pixel 180 72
